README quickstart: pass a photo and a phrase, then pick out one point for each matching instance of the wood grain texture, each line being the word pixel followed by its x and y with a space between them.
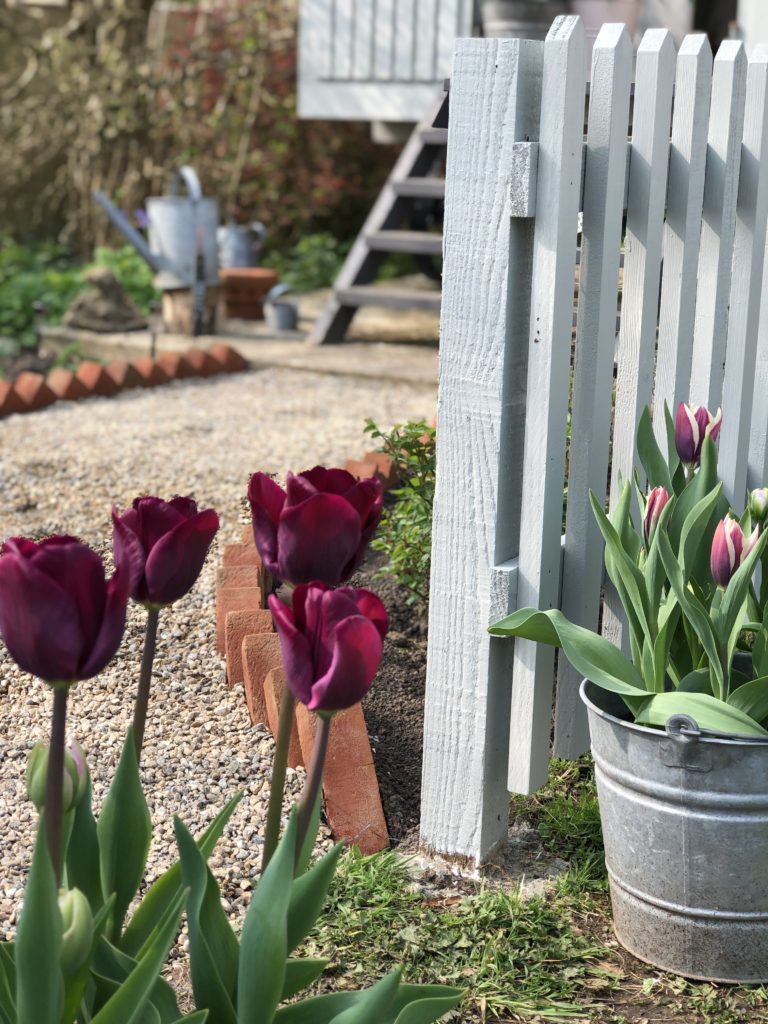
pixel 603 203
pixel 726 120
pixel 746 282
pixel 682 230
pixel 554 258
pixel 495 100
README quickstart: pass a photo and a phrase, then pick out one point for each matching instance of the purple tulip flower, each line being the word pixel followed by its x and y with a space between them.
pixel 692 424
pixel 318 528
pixel 655 502
pixel 60 618
pixel 729 549
pixel 166 543
pixel 331 642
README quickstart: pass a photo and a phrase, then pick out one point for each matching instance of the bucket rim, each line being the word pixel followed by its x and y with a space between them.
pixel 588 688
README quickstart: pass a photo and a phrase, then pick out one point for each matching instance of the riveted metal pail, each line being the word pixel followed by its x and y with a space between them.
pixel 685 827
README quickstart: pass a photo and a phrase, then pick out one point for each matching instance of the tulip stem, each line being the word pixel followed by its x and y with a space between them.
pixel 145 679
pixel 314 780
pixel 54 782
pixel 277 784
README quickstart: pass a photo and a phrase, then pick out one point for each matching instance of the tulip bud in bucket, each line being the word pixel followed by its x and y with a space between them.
pixel 281 316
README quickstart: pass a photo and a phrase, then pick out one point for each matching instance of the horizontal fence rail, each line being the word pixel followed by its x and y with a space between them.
pixel 673 177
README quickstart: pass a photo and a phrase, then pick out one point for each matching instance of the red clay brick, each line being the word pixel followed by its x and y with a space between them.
pixel 237 626
pixel 151 372
pixel 241 554
pixel 274 684
pixel 234 599
pixel 351 790
pixel 261 653
pixel 65 385
pixel 203 364
pixel 9 400
pixel 95 377
pixel 247 535
pixel 33 391
pixel 228 358
pixel 360 468
pixel 385 468
pixel 124 374
pixel 176 365
pixel 238 576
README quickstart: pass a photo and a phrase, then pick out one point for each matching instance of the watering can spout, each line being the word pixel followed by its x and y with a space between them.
pixel 129 232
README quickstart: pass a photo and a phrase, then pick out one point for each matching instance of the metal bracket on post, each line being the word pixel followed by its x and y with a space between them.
pixel 522 182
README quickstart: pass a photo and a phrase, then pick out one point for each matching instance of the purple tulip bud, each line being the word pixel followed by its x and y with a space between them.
pixel 729 549
pixel 166 543
pixel 758 504
pixel 60 618
pixel 692 424
pixel 318 528
pixel 655 502
pixel 331 642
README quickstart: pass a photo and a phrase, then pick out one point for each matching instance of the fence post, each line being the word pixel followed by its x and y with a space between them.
pixel 494 103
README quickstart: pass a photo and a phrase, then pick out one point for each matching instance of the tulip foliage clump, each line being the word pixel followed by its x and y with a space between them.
pixel 87 951
pixel 686 576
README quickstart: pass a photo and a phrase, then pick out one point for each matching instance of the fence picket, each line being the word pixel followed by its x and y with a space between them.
pixel 726 122
pixel 646 196
pixel 603 205
pixel 362 39
pixel 495 102
pixel 682 231
pixel 405 39
pixel 557 206
pixel 746 279
pixel 757 467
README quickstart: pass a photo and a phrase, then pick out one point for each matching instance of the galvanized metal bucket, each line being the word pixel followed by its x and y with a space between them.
pixel 685 827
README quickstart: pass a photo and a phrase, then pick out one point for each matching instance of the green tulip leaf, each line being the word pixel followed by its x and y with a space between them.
pixel 125 1006
pixel 125 832
pixel 300 974
pixel 752 698
pixel 307 849
pixel 198 1017
pixel 649 453
pixel 424 1008
pixel 325 1008
pixel 590 654
pixel 7 985
pixel 83 871
pixel 673 459
pixel 655 576
pixel 308 895
pixel 39 984
pixel 702 484
pixel 734 600
pixel 264 941
pixel 75 986
pixel 698 681
pixel 373 1003
pixel 760 649
pixel 213 947
pixel 693 531
pixel 166 888
pixel 711 714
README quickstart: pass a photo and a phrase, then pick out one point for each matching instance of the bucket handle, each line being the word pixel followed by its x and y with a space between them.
pixel 683 729
pixel 191 180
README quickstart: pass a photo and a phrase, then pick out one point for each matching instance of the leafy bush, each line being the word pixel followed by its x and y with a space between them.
pixel 131 271
pixel 314 262
pixel 405 533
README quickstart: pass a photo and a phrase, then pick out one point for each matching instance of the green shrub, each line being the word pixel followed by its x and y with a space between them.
pixel 405 534
pixel 314 262
pixel 131 271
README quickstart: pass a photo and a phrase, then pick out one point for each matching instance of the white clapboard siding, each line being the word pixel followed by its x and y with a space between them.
pixel 605 165
pixel 746 279
pixel 726 120
pixel 694 267
pixel 377 60
pixel 551 324
pixel 685 196
pixel 495 98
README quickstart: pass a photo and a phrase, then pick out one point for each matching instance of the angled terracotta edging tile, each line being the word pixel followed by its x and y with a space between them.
pixel 176 365
pixel 227 357
pixel 202 362
pixel 33 391
pixel 96 379
pixel 9 400
pixel 66 385
pixel 123 374
pixel 237 626
pixel 150 371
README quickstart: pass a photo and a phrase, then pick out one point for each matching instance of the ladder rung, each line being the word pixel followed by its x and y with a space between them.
pixel 393 298
pixel 434 136
pixel 421 243
pixel 420 188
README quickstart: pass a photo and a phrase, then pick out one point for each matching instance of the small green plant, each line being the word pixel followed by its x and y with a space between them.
pixel 70 356
pixel 131 271
pixel 405 534
pixel 314 262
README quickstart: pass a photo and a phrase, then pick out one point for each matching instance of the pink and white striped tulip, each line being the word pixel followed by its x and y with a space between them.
pixel 730 547
pixel 654 503
pixel 692 424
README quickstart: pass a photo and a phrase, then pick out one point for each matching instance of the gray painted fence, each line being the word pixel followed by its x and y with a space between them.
pixel 693 183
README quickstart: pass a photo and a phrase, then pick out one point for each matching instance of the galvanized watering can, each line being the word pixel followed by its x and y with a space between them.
pixel 240 245
pixel 182 247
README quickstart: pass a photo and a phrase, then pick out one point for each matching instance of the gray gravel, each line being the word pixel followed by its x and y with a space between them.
pixel 61 470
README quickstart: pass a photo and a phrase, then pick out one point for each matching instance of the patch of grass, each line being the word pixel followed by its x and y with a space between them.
pixel 517 960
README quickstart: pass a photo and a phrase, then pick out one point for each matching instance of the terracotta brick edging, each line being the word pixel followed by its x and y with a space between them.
pixel 252 651
pixel 32 391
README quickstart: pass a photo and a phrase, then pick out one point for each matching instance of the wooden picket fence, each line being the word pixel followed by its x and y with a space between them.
pixel 691 177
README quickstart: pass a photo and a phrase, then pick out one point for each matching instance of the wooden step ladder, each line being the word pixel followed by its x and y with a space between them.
pixel 412 179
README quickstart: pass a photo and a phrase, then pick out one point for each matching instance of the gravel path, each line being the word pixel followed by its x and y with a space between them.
pixel 61 470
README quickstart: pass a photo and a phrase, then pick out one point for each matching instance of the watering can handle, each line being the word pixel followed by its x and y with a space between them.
pixel 191 180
